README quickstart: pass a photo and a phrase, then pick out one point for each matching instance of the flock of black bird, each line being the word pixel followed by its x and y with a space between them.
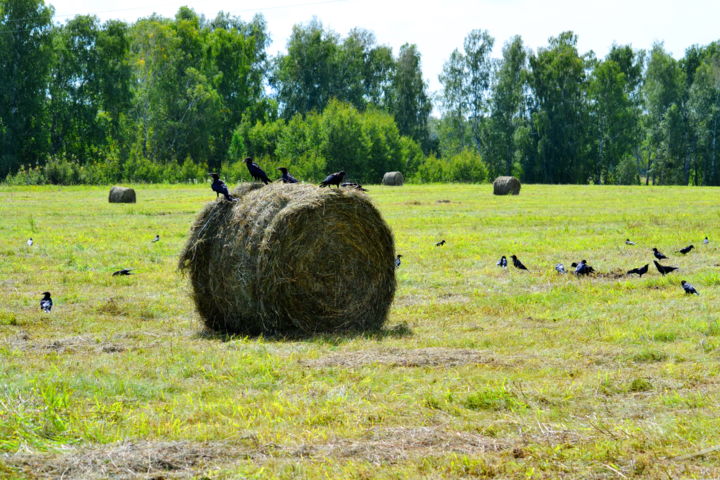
pixel 580 269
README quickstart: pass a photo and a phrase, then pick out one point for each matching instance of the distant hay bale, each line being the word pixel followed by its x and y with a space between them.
pixel 121 195
pixel 393 179
pixel 506 186
pixel 291 257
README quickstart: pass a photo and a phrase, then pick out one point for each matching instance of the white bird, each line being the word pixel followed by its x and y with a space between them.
pixel 156 239
pixel 560 268
pixel 628 242
pixel 706 241
pixel 502 262
pixel 30 242
pixel 397 261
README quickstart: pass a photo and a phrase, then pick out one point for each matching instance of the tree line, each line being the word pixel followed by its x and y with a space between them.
pixel 168 99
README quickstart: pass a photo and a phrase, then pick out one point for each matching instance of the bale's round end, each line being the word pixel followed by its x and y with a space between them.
pixel 506 186
pixel 289 257
pixel 121 195
pixel 395 179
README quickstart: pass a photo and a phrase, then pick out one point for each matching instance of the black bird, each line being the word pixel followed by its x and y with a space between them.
pixel 286 177
pixel 689 289
pixel 156 239
pixel 640 271
pixel 685 250
pixel 560 268
pixel 442 242
pixel 255 171
pixel 218 186
pixel 502 262
pixel 628 242
pixel 354 185
pixel 46 302
pixel 706 241
pixel 333 179
pixel 583 268
pixel 397 261
pixel 124 271
pixel 663 269
pixel 658 255
pixel 518 264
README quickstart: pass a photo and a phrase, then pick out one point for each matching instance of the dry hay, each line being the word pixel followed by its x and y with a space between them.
pixel 506 186
pixel 291 257
pixel 390 445
pixel 126 460
pixel 400 357
pixel 395 179
pixel 121 195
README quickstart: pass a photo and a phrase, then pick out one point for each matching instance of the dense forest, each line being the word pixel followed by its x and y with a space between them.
pixel 169 99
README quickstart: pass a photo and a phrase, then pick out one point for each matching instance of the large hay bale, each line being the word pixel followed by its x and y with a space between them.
pixel 121 195
pixel 289 257
pixel 393 179
pixel 506 186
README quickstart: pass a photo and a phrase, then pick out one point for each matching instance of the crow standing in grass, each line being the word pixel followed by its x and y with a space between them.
pixel 156 239
pixel 442 242
pixel 664 269
pixel 124 271
pixel 397 261
pixel 628 242
pixel 689 289
pixel 286 177
pixel 46 302
pixel 333 179
pixel 687 249
pixel 502 263
pixel 706 241
pixel 218 186
pixel 658 255
pixel 518 264
pixel 583 268
pixel 560 268
pixel 255 171
pixel 640 270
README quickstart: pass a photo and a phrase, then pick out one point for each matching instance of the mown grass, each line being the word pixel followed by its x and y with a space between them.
pixel 480 373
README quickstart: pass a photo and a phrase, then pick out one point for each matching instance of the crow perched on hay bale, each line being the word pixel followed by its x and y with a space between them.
pixel 506 186
pixel 394 179
pixel 333 179
pixel 291 257
pixel 121 195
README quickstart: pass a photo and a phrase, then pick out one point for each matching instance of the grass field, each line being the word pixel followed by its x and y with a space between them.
pixel 480 372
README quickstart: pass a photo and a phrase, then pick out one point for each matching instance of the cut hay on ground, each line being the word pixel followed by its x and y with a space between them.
pixel 506 186
pixel 289 257
pixel 393 179
pixel 121 195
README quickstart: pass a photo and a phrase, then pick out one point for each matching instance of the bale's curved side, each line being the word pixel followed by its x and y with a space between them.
pixel 506 186
pixel 393 179
pixel 288 257
pixel 121 195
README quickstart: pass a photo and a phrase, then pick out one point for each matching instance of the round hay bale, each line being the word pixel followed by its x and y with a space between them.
pixel 506 186
pixel 121 195
pixel 393 179
pixel 291 257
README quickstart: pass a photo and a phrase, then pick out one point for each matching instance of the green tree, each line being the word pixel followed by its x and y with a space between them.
pixel 704 101
pixel 25 59
pixel 410 103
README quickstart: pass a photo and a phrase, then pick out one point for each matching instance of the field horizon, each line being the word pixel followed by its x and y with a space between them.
pixel 478 372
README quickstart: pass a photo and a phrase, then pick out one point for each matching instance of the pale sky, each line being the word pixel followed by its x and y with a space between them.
pixel 439 27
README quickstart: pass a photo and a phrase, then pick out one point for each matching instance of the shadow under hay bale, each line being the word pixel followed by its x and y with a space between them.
pixel 506 186
pixel 121 195
pixel 393 179
pixel 285 258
